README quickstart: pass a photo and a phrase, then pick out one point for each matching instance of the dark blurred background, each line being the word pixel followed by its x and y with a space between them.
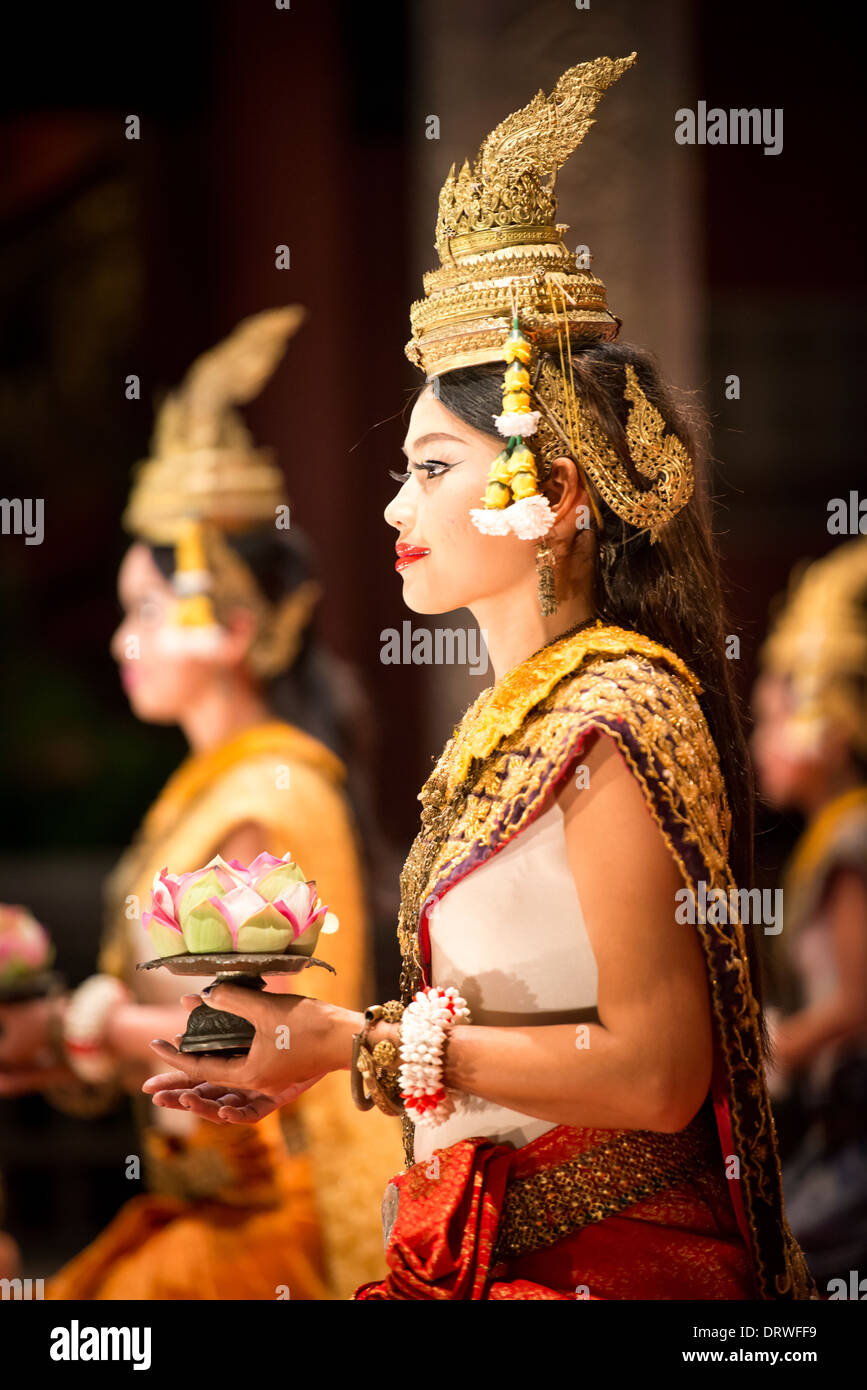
pixel 307 127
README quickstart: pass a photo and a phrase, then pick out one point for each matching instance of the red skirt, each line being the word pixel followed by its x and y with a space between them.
pixel 682 1243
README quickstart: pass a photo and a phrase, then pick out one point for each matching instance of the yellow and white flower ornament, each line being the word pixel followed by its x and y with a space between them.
pixel 513 502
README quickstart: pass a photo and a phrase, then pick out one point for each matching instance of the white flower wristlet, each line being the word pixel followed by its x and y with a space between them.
pixel 425 1023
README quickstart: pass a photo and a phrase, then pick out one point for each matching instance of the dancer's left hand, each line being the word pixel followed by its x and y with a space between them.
pixel 297 1041
pixel 223 1105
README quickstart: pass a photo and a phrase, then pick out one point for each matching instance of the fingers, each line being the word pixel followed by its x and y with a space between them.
pixel 234 999
pixel 195 1067
pixel 247 1114
pixel 200 1105
pixel 166 1081
pixel 169 1100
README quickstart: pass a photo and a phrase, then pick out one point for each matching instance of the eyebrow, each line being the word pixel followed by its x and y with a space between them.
pixel 430 439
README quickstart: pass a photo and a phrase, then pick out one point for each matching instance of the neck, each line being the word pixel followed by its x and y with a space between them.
pixel 514 628
pixel 226 708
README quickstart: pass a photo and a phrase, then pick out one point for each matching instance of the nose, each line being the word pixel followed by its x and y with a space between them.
pixel 116 646
pixel 399 513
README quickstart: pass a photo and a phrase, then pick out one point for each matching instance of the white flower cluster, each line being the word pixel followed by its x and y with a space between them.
pixel 423 1031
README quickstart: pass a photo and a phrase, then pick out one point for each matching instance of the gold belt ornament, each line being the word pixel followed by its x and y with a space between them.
pixel 541 1209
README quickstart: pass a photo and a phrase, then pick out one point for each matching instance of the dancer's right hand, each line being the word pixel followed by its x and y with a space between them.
pixel 25 1031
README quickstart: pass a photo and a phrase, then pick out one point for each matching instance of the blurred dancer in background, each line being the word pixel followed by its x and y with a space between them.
pixel 216 636
pixel 810 746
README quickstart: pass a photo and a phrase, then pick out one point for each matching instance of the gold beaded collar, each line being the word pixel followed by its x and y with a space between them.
pixel 501 709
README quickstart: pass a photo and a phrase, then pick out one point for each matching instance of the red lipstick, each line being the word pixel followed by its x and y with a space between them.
pixel 407 554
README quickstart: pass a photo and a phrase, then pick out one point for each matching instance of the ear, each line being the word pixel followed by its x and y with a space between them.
pixel 568 497
pixel 239 628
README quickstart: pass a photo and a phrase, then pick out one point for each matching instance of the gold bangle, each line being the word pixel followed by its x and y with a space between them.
pixel 369 1086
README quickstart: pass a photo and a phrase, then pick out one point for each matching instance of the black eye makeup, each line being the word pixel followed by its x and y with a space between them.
pixel 433 467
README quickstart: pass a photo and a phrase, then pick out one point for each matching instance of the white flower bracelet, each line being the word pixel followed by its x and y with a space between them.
pixel 423 1028
pixel 84 1026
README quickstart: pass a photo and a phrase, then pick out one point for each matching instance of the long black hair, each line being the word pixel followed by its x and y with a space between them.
pixel 670 591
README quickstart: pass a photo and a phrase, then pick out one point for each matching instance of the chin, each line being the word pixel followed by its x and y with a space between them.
pixel 420 598
pixel 778 793
pixel 150 711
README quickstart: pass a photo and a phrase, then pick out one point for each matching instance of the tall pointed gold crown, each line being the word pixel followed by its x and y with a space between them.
pixel 204 466
pixel 505 266
pixel 496 234
pixel 819 644
pixel 205 479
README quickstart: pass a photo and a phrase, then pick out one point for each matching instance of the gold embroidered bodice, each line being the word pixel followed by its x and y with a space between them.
pixel 503 763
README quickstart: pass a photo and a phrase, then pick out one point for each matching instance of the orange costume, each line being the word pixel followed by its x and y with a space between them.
pixel 290 1207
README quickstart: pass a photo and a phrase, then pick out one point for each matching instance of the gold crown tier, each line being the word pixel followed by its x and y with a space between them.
pixel 204 466
pixel 230 488
pixel 499 244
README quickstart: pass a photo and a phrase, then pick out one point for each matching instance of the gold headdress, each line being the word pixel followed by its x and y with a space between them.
pixel 504 262
pixel 819 644
pixel 205 478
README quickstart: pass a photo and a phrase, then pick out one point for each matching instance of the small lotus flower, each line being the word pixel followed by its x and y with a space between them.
pixel 266 906
pixel 25 947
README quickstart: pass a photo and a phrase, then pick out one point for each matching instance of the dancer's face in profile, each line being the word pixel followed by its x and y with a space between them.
pixel 448 464
pixel 159 684
pixel 790 775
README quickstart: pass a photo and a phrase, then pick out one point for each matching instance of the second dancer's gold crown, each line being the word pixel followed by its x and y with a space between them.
pixel 204 466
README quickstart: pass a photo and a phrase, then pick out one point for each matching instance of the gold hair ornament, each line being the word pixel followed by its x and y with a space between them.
pixel 658 454
pixel 278 627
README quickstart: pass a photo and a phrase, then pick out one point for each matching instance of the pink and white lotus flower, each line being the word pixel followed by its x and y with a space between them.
pixel 266 906
pixel 25 947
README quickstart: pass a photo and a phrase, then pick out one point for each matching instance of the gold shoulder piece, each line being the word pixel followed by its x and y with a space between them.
pixel 502 709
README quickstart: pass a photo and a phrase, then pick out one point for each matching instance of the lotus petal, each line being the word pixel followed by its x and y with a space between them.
pixel 241 903
pixel 231 872
pixel 206 929
pixel 167 939
pixel 264 862
pixel 204 885
pixel 276 882
pixel 297 903
pixel 265 931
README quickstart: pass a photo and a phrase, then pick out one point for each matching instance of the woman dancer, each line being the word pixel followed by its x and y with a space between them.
pixel 577 1052
pixel 216 636
pixel 810 745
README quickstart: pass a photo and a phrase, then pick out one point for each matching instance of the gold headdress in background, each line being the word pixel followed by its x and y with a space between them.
pixel 505 265
pixel 819 644
pixel 206 479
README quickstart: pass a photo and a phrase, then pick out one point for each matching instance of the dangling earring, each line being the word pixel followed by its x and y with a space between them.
pixel 545 571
